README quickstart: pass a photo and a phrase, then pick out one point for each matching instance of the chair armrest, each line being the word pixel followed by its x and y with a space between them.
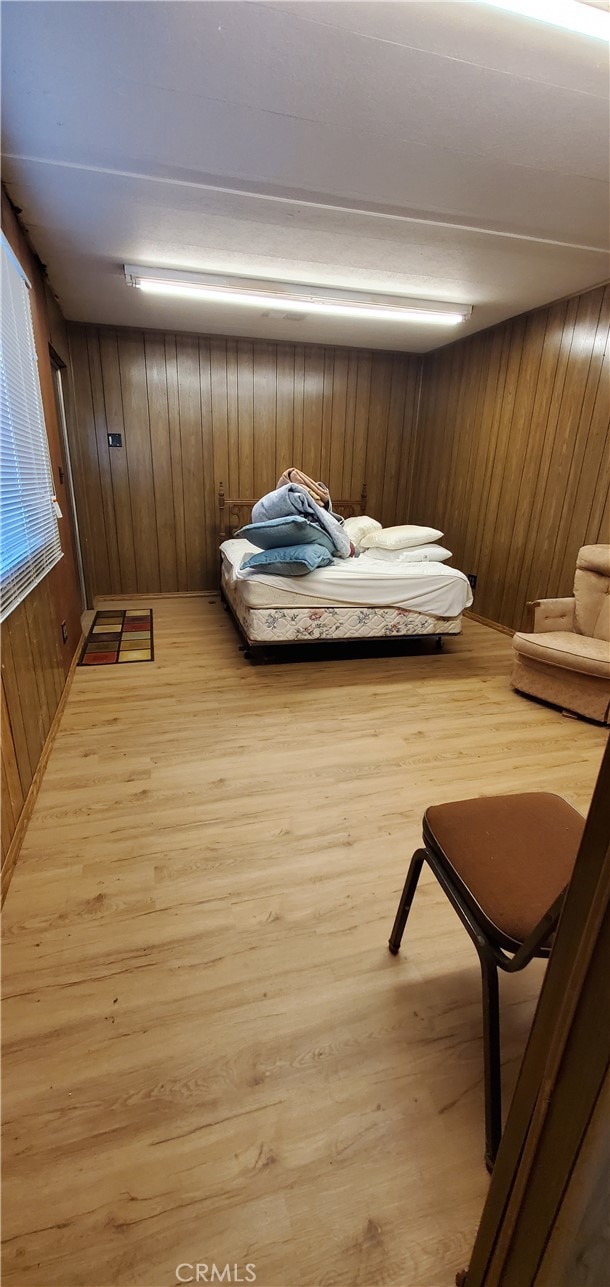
pixel 552 614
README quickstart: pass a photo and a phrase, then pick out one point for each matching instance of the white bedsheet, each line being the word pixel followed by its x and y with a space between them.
pixel 432 588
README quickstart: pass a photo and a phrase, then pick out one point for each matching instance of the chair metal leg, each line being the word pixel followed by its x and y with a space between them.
pixel 491 1059
pixel 404 906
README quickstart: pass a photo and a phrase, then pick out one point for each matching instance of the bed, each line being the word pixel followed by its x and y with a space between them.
pixel 354 600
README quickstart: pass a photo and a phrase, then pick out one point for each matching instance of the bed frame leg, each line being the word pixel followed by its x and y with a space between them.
pixel 439 641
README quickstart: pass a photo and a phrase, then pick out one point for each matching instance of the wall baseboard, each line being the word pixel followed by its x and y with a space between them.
pixel 14 848
pixel 484 621
pixel 170 594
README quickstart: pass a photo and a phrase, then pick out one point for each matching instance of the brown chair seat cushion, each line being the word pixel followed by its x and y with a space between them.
pixel 513 854
pixel 563 648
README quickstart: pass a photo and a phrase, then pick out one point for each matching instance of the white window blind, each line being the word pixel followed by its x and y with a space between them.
pixel 29 538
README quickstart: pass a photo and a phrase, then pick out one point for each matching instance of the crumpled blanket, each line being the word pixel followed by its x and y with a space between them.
pixel 291 499
pixel 318 491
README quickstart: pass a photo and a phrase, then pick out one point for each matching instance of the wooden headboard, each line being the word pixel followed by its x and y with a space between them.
pixel 232 514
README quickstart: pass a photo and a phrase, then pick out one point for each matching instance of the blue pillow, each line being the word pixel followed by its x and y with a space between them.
pixel 279 532
pixel 289 560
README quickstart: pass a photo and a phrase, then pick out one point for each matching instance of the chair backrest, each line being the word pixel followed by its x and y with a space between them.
pixel 592 592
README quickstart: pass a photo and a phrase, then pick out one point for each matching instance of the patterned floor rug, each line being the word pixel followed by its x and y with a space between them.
pixel 117 636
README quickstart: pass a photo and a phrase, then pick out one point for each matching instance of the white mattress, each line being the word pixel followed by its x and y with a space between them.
pixel 307 624
pixel 430 588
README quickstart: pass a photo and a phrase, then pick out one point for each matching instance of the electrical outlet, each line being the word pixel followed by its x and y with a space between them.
pixel 64 632
pixel 472 577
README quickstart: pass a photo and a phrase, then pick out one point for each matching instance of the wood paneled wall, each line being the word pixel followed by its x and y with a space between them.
pixel 35 660
pixel 501 440
pixel 513 451
pixel 196 411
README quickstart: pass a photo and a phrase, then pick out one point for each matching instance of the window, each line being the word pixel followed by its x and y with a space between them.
pixel 30 544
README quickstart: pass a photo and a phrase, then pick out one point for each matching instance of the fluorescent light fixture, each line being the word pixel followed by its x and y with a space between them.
pixel 572 15
pixel 288 297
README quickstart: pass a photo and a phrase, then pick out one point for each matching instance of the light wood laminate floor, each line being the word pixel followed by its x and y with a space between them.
pixel 209 1054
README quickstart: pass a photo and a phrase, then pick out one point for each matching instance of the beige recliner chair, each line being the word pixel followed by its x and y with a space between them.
pixel 566 660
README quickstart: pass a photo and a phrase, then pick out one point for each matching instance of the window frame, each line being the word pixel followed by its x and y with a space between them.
pixel 24 433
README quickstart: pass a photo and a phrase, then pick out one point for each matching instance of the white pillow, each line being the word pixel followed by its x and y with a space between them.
pixel 414 554
pixel 400 538
pixel 360 526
